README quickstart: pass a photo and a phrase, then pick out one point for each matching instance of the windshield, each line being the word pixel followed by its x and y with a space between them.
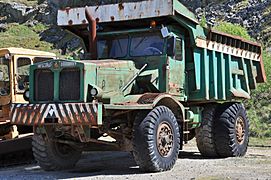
pixel 4 76
pixel 148 45
pixel 112 47
pixel 41 59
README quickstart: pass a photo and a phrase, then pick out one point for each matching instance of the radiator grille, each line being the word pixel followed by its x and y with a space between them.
pixel 44 85
pixel 69 84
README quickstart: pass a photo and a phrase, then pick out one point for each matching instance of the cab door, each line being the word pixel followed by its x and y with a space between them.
pixel 176 71
pixel 21 77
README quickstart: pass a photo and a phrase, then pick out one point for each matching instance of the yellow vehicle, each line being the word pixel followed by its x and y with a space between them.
pixel 14 78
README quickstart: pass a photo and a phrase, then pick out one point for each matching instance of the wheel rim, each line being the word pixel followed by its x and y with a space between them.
pixel 63 150
pixel 164 139
pixel 240 130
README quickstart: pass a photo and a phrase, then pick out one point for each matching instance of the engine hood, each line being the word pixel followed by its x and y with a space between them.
pixel 111 63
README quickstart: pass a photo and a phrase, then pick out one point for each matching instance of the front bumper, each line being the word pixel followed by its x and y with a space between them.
pixel 66 114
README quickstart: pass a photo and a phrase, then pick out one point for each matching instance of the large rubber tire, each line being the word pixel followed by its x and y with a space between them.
pixel 50 155
pixel 228 141
pixel 148 132
pixel 205 133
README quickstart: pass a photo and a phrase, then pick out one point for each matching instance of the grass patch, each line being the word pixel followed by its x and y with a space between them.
pixel 259 106
pixel 25 2
pixel 233 29
pixel 260 142
pixel 25 37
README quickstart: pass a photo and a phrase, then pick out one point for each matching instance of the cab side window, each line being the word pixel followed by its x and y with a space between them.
pixel 41 59
pixel 179 49
pixel 22 74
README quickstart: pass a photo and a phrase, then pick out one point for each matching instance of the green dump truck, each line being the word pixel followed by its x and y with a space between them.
pixel 156 79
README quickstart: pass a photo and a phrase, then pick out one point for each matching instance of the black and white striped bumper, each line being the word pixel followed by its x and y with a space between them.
pixel 67 114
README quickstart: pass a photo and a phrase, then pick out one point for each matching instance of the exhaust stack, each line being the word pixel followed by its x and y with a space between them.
pixel 93 34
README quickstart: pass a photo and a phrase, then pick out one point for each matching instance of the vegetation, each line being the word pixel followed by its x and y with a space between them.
pixel 25 2
pixel 203 21
pixel 260 142
pixel 259 106
pixel 23 36
pixel 233 29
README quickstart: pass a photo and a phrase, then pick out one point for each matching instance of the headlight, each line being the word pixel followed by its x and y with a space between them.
pixel 94 92
pixel 26 95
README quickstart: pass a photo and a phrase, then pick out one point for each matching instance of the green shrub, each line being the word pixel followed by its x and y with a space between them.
pixel 233 29
pixel 203 21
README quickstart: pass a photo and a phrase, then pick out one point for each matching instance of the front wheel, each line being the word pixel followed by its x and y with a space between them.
pixel 53 156
pixel 231 131
pixel 156 140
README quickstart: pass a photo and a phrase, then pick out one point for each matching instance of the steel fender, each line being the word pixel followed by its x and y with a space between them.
pixel 176 107
pixel 164 100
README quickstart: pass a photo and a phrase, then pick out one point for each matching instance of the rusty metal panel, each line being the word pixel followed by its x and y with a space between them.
pixel 116 12
pixel 66 114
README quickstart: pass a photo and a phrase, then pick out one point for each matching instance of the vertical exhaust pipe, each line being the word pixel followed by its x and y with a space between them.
pixel 93 34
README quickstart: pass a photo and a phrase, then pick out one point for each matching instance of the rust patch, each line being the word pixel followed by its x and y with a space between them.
pixel 112 18
pixel 67 9
pixel 148 98
pixel 126 103
pixel 96 9
pixel 70 22
pixel 121 7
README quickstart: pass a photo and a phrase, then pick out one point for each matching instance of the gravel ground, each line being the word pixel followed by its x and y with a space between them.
pixel 190 165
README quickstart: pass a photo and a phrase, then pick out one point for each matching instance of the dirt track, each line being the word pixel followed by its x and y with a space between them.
pixel 119 165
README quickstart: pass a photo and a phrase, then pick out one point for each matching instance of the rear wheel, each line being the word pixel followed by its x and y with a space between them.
pixel 231 131
pixel 205 133
pixel 53 155
pixel 156 140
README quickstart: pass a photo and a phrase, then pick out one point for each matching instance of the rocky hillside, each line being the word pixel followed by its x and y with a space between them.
pixel 254 15
pixel 32 24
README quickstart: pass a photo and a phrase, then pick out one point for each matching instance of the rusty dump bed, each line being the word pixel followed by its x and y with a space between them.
pixel 123 12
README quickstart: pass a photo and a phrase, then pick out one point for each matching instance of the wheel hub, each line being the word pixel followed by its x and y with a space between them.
pixel 164 139
pixel 240 130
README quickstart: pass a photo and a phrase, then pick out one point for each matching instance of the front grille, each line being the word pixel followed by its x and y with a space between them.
pixel 44 85
pixel 69 84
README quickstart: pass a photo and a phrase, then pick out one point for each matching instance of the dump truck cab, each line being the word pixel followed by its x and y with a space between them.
pixel 154 79
pixel 14 80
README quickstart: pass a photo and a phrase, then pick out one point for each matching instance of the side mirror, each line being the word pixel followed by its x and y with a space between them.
pixel 164 31
pixel 171 46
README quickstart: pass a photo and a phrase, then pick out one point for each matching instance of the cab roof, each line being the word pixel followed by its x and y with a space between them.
pixel 27 52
